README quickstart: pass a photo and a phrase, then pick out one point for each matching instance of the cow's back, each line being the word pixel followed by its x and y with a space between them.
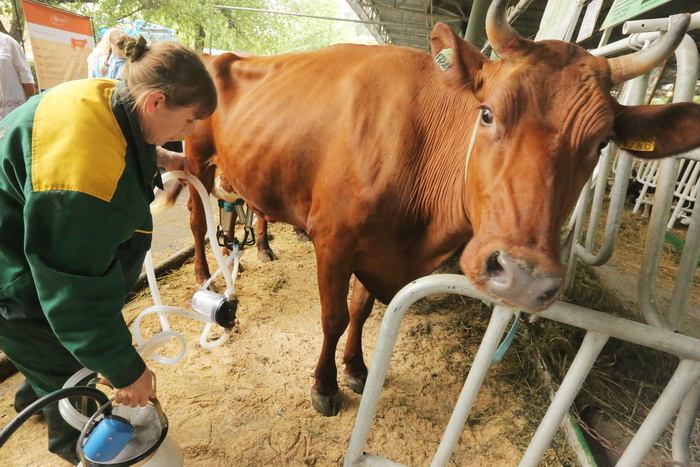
pixel 338 123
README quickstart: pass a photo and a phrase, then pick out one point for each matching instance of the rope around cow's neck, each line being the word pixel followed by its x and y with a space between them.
pixel 471 146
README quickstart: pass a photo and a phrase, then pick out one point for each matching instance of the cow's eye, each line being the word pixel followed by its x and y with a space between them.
pixel 603 144
pixel 486 116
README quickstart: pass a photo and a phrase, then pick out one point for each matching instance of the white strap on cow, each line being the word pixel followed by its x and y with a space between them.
pixel 471 145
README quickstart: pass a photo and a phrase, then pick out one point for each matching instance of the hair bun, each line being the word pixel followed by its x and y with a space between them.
pixel 135 48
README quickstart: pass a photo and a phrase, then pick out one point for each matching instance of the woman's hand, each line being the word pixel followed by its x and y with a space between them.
pixel 171 160
pixel 137 393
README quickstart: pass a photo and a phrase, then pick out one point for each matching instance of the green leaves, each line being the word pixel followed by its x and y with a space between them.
pixel 201 25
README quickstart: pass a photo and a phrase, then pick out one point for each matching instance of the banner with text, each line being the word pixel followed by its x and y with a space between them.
pixel 61 42
pixel 622 10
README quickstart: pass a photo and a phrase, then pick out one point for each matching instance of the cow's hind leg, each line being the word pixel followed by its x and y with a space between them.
pixel 301 234
pixel 360 307
pixel 333 283
pixel 265 253
pixel 198 225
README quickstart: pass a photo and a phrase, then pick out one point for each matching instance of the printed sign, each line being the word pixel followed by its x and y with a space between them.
pixel 589 20
pixel 557 19
pixel 61 42
pixel 622 10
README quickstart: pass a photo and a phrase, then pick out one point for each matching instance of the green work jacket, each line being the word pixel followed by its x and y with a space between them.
pixel 76 181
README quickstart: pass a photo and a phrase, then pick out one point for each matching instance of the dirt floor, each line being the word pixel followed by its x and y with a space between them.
pixel 247 402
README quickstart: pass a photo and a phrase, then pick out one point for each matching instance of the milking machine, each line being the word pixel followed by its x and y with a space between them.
pixel 209 307
pixel 120 435
pixel 227 224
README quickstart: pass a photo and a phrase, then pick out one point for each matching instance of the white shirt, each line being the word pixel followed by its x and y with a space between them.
pixel 14 71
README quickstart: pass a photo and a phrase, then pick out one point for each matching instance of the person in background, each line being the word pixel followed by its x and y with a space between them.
pixel 76 225
pixel 16 80
pixel 110 64
pixel 102 48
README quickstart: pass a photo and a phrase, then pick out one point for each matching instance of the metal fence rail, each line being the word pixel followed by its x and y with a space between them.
pixel 600 327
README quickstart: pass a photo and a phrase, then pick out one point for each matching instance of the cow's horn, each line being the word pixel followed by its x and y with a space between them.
pixel 636 64
pixel 503 38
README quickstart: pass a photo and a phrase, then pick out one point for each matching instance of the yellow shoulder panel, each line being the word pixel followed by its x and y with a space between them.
pixel 77 144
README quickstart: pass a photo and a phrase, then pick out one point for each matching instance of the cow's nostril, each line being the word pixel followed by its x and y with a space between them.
pixel 493 266
pixel 549 294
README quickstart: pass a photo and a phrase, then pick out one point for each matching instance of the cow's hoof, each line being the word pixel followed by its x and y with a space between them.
pixel 266 256
pixel 328 406
pixel 354 383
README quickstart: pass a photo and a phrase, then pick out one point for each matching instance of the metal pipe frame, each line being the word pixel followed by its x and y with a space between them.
pixel 586 356
pixel 476 26
pixel 659 24
pixel 475 378
pixel 578 221
pixel 685 377
pixel 409 11
pixel 304 15
pixel 633 42
pixel 686 79
pixel 601 184
pixel 600 326
pixel 685 422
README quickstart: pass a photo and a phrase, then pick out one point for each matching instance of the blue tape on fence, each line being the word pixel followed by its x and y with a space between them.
pixel 507 341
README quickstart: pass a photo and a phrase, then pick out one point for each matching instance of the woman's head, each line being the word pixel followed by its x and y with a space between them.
pixel 169 86
pixel 103 47
pixel 117 38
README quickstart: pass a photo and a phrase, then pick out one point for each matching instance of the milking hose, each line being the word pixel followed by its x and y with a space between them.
pixel 43 402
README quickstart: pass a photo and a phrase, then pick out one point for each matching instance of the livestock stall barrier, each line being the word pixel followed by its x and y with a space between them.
pixel 681 396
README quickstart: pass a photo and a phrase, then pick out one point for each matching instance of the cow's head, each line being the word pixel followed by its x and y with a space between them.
pixel 545 112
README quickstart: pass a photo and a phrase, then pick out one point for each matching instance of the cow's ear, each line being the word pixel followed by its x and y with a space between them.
pixel 458 61
pixel 654 131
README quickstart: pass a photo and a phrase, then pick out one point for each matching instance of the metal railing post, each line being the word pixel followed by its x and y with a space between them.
pixel 592 344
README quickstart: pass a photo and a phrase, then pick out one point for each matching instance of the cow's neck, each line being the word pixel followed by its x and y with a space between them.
pixel 447 121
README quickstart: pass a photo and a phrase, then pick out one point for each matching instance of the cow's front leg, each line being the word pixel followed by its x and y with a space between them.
pixel 360 307
pixel 333 284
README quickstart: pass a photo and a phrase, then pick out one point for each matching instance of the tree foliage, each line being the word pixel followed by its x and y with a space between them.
pixel 202 25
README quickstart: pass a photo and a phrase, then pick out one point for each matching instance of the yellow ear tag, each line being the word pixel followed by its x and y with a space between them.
pixel 642 146
pixel 444 59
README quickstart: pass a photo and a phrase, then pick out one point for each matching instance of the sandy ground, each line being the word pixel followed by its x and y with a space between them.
pixel 247 402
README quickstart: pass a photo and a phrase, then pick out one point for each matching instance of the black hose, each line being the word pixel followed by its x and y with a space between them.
pixel 47 400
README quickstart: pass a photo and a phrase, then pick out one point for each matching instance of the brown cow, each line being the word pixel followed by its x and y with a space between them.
pixel 392 163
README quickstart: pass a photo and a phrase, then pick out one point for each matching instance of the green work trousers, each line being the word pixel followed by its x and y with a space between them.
pixel 35 351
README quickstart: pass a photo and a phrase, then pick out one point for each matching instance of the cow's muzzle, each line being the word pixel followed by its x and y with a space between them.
pixel 516 283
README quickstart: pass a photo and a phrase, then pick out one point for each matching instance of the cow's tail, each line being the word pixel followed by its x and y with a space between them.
pixel 166 199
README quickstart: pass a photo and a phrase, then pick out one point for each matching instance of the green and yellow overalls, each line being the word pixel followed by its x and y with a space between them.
pixel 76 181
